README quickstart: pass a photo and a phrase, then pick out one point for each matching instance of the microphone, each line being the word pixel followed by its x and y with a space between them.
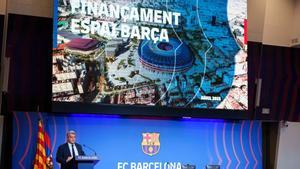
pixel 95 153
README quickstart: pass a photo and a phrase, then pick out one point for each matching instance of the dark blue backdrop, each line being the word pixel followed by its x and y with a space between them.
pixel 189 141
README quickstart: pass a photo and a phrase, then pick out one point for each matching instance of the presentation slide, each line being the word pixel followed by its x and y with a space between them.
pixel 126 143
pixel 171 53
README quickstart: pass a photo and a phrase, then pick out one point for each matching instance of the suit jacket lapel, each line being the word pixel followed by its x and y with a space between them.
pixel 68 150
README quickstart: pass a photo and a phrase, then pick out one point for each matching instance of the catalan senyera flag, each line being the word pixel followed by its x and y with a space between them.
pixel 43 156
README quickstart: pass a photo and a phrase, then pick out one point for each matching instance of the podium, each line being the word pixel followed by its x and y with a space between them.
pixel 86 162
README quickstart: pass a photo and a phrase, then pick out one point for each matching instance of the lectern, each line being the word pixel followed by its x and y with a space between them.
pixel 86 162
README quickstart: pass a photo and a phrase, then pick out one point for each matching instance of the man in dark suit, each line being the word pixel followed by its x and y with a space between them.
pixel 67 152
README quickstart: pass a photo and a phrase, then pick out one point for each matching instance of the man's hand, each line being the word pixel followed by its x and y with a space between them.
pixel 69 159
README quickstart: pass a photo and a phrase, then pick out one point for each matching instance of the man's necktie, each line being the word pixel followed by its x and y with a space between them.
pixel 73 151
pixel 73 154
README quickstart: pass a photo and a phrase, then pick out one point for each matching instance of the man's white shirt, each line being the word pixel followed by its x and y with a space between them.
pixel 75 149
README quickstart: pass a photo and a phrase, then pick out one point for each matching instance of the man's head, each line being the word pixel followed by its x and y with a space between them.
pixel 71 137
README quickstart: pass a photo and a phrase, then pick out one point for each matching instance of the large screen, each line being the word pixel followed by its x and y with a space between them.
pixel 170 53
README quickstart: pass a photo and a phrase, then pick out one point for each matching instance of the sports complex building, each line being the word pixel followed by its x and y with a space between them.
pixel 172 56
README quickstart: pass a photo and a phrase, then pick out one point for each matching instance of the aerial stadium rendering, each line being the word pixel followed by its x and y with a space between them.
pixel 161 56
pixel 202 65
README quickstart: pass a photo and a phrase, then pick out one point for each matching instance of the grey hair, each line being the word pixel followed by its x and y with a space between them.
pixel 71 132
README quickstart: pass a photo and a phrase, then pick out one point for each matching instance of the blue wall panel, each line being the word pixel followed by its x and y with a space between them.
pixel 116 139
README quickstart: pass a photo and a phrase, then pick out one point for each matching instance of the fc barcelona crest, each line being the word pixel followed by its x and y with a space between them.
pixel 150 143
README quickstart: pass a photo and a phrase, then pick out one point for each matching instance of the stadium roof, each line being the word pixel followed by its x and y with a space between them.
pixel 83 44
pixel 166 56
